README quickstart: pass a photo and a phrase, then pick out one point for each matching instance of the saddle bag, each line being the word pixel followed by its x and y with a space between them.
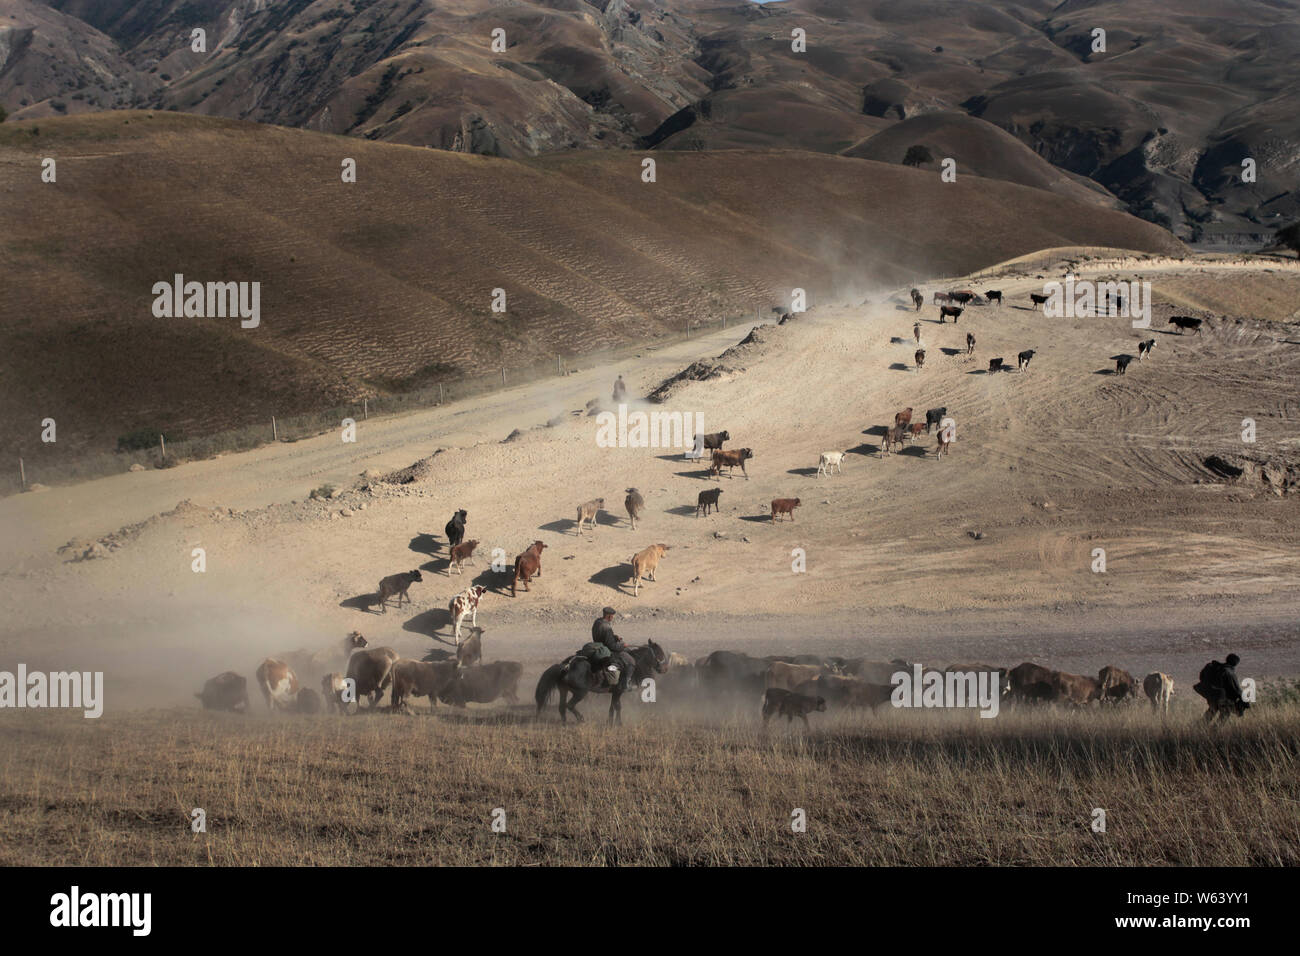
pixel 596 653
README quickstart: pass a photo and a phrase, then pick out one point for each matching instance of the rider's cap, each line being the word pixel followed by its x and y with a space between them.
pixel 609 610
pixel 1233 660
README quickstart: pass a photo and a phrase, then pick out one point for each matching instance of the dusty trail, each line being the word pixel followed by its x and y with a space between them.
pixel 1049 465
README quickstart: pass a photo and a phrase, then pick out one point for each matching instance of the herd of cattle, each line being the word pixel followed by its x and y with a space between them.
pixel 788 685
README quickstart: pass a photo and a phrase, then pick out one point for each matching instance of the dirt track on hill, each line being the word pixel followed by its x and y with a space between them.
pixel 1049 465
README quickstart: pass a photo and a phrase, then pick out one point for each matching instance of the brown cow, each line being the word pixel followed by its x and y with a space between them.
pixel 706 498
pixel 484 684
pixel 644 563
pixel 784 506
pixel 1077 689
pixel 460 553
pixel 970 341
pixel 904 417
pixel 920 358
pixel 789 676
pixel 371 671
pixel 916 430
pixel 730 459
pixel 279 684
pixel 588 511
pixel 790 705
pixel 1117 685
pixel 847 691
pixel 893 436
pixel 634 504
pixel 527 565
pixel 421 679
pixel 918 300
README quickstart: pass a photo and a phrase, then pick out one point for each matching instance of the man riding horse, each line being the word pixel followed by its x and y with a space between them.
pixel 602 632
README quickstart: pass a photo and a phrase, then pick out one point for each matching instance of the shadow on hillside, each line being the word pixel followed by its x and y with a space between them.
pixel 363 602
pixel 764 518
pixel 1104 371
pixel 900 367
pixel 803 472
pixel 429 622
pixel 694 474
pixel 682 510
pixel 881 430
pixel 436 655
pixel 613 576
pixel 865 449
pixel 952 351
pixel 424 543
pixel 560 526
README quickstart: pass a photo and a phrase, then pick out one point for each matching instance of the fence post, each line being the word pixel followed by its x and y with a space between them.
pixel 162 446
pixel 22 472
pixel 557 366
pixel 275 434
pixel 440 399
pixel 365 409
pixel 503 376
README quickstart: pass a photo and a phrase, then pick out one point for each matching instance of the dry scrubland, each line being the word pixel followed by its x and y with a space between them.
pixel 895 789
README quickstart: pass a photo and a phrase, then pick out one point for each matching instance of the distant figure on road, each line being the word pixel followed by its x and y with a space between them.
pixel 619 389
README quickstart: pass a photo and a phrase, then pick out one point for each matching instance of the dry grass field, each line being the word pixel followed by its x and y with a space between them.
pixel 669 789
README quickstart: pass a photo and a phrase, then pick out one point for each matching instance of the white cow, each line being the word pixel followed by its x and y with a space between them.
pixel 829 460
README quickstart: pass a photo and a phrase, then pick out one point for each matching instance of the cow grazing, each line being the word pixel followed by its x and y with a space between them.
pixel 1022 360
pixel 787 704
pixel 970 343
pixel 279 684
pixel 995 365
pixel 904 417
pixel 588 511
pixel 784 506
pixel 994 295
pixel 1122 363
pixel 847 692
pixel 962 296
pixel 461 553
pixel 397 584
pixel 456 528
pixel 949 310
pixel 789 676
pixel 829 460
pixel 893 436
pixel 1144 348
pixel 331 688
pixel 941 297
pixel 527 565
pixel 920 358
pixel 227 691
pixel 1037 299
pixel 484 684
pixel 644 563
pixel 918 300
pixel 1159 688
pixel 705 499
pixel 933 416
pixel 421 679
pixel 1117 685
pixel 1185 322
pixel 371 671
pixel 714 440
pixel 463 605
pixel 731 459
pixel 634 504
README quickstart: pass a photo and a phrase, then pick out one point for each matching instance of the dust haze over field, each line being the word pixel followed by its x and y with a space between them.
pixel 1087 513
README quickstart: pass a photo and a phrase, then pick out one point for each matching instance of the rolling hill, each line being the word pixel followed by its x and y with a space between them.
pixel 387 282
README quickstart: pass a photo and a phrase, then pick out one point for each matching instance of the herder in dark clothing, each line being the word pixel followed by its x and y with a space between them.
pixel 602 632
pixel 1221 689
pixel 619 389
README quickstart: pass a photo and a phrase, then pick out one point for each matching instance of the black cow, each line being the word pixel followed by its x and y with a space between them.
pixel 970 343
pixel 456 528
pixel 1121 364
pixel 995 365
pixel 728 671
pixel 1185 322
pixel 1144 348
pixel 947 310
pixel 962 297
pixel 933 416
pixel 706 498
pixel 1037 299
pixel 1022 360
pixel 994 295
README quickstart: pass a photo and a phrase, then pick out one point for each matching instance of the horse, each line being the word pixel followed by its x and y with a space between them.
pixel 577 680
